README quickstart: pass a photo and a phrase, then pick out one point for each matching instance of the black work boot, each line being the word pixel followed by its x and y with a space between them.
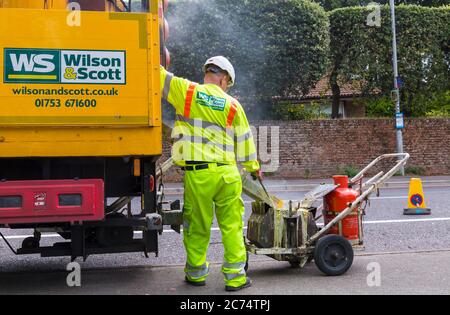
pixel 193 283
pixel 247 284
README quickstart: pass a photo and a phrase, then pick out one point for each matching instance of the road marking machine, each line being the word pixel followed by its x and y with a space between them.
pixel 290 232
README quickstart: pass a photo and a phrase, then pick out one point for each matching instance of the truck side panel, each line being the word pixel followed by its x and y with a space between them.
pixel 103 74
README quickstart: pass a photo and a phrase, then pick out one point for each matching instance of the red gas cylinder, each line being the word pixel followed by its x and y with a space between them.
pixel 337 201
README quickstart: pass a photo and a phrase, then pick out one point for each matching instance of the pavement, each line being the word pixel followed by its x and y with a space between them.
pixel 412 253
pixel 401 273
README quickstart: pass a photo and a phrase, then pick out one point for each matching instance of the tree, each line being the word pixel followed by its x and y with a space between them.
pixel 329 5
pixel 277 47
pixel 364 53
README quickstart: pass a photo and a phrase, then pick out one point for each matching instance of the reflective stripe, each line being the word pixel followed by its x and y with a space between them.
pixel 197 272
pixel 244 137
pixel 192 268
pixel 247 158
pixel 197 122
pixel 189 97
pixel 166 90
pixel 231 276
pixel 202 140
pixel 239 265
pixel 206 124
pixel 233 110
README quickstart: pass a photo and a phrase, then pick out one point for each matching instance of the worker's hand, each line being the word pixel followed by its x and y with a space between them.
pixel 257 175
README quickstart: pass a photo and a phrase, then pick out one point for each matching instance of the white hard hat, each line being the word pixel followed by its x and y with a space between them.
pixel 224 64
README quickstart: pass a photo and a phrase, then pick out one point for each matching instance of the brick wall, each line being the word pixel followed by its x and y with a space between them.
pixel 320 148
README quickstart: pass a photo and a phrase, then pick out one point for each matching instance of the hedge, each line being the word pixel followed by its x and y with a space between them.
pixel 362 52
pixel 329 5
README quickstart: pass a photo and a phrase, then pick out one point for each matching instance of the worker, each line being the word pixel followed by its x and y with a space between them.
pixel 211 134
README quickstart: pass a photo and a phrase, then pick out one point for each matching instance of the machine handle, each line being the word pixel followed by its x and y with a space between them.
pixel 402 159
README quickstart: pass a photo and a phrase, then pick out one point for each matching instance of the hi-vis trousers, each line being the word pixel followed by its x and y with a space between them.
pixel 215 188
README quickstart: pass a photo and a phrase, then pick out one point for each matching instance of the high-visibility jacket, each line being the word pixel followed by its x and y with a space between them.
pixel 210 125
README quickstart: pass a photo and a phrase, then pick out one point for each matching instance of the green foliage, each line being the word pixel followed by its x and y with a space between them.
pixel 275 46
pixel 282 48
pixel 307 174
pixel 336 4
pixel 364 53
pixel 329 5
pixel 434 105
pixel 380 107
pixel 438 105
pixel 415 170
pixel 291 111
pixel 349 170
pixel 439 113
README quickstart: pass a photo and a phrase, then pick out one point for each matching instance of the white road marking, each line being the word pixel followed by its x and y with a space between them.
pixel 15 237
pixel 249 202
pixel 407 221
pixel 402 221
pixel 389 197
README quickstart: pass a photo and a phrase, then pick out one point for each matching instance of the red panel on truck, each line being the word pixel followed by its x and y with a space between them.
pixel 50 201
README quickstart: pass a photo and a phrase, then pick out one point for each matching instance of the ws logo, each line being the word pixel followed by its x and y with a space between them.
pixel 64 66
pixel 31 66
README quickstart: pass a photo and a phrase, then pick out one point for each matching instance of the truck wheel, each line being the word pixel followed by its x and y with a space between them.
pixel 333 255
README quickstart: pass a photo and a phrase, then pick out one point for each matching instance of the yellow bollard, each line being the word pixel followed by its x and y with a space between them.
pixel 416 199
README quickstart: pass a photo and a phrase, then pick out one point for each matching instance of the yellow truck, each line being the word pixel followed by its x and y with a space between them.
pixel 80 123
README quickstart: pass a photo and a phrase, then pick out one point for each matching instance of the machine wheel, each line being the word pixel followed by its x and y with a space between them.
pixel 333 255
pixel 297 262
pixel 294 263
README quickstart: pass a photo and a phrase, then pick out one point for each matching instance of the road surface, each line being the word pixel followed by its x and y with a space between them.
pixel 413 254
